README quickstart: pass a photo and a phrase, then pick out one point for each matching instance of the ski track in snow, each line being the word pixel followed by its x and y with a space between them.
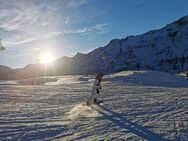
pixel 131 111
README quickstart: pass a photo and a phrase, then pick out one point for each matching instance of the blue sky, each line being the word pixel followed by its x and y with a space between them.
pixel 65 27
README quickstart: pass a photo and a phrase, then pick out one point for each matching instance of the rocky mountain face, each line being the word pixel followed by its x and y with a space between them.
pixel 165 49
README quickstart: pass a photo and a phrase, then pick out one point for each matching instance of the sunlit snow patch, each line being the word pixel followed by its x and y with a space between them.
pixel 36 81
pixel 81 110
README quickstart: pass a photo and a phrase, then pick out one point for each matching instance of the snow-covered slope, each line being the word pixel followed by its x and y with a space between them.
pixel 37 81
pixel 150 78
pixel 165 49
pixel 132 110
pixel 7 73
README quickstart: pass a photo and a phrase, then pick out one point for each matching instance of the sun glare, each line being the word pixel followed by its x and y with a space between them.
pixel 46 58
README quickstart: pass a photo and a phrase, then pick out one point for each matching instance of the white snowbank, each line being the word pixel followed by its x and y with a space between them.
pixel 70 79
pixel 65 79
pixel 36 81
pixel 83 78
pixel 9 82
pixel 184 74
pixel 150 78
pixel 145 78
pixel 80 111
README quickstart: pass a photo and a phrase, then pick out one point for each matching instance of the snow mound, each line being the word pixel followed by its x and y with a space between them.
pixel 83 79
pixel 36 81
pixel 65 79
pixel 81 111
pixel 8 82
pixel 150 78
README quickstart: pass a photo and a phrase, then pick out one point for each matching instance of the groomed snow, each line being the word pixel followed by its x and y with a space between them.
pixel 138 105
pixel 37 81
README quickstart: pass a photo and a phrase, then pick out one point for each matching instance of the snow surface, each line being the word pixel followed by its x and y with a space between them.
pixel 37 81
pixel 138 105
pixel 8 82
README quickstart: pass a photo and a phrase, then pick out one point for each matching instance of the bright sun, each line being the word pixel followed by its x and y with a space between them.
pixel 46 58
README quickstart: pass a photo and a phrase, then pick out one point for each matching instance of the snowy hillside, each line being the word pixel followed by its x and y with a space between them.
pixel 7 73
pixel 165 49
pixel 138 105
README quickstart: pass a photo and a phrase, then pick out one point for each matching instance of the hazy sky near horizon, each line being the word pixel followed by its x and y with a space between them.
pixel 65 27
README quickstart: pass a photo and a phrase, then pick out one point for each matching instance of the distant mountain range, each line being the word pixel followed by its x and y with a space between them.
pixel 165 49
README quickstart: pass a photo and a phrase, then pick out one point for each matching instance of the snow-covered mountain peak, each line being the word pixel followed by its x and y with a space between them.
pixel 165 49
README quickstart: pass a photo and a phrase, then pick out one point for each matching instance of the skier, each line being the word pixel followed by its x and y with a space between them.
pixel 96 90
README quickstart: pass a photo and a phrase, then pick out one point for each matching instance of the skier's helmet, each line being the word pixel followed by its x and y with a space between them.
pixel 99 75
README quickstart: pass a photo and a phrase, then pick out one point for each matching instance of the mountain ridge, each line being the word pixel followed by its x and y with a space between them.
pixel 165 49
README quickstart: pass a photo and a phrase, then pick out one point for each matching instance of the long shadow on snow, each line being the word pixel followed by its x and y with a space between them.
pixel 35 132
pixel 124 123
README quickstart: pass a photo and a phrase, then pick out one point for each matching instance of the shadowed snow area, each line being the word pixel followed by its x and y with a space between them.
pixel 150 78
pixel 138 105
